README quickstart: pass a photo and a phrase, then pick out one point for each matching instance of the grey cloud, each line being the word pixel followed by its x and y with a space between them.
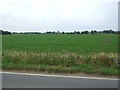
pixel 105 17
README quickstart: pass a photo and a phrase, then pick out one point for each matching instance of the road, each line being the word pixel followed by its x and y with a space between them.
pixel 45 81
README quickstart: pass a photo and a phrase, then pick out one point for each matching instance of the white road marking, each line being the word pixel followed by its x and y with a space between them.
pixel 60 76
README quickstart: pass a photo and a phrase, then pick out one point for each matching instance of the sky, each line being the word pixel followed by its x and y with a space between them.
pixel 58 15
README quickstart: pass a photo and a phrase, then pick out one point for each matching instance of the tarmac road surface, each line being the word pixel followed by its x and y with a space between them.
pixel 18 80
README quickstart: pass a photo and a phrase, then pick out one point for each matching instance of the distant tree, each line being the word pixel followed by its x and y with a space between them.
pixel 111 31
pixel 77 32
pixel 21 33
pixel 92 32
pixel 5 33
pixel 95 31
pixel 15 33
pixel 54 32
pixel 63 32
pixel 86 32
pixel 50 32
pixel 105 31
pixel 82 32
pixel 69 32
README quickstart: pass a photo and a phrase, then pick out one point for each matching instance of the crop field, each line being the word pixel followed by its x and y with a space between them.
pixel 63 53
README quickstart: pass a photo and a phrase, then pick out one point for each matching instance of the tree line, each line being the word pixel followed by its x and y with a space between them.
pixel 5 32
pixel 54 32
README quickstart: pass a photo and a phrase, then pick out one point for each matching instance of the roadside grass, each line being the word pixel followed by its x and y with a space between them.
pixel 101 63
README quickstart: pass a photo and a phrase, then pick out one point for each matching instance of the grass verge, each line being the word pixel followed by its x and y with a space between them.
pixel 100 63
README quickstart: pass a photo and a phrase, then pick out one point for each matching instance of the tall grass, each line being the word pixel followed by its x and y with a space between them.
pixel 61 62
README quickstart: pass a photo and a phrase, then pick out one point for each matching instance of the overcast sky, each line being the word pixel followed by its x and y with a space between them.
pixel 54 15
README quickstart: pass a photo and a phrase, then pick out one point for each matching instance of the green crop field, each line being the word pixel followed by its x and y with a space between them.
pixel 68 53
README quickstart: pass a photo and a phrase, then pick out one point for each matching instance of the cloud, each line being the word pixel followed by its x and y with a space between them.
pixel 19 15
pixel 116 1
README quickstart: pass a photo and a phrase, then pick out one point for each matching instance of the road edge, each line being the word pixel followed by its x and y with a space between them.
pixel 59 76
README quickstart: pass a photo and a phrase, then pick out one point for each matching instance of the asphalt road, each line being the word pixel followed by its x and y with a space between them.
pixel 37 81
